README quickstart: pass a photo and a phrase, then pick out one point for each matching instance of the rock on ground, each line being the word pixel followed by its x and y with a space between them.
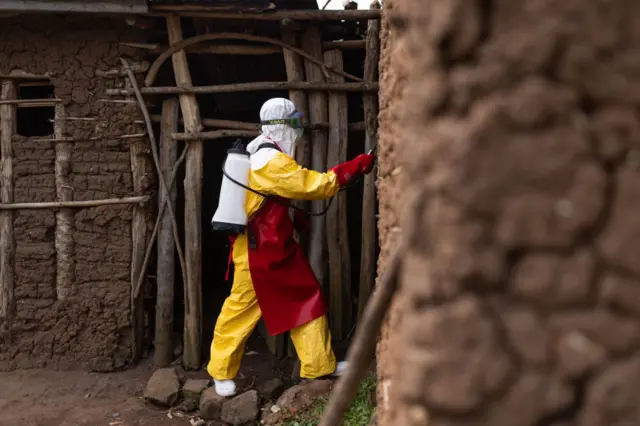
pixel 295 399
pixel 193 388
pixel 242 409
pixel 271 390
pixel 163 388
pixel 211 404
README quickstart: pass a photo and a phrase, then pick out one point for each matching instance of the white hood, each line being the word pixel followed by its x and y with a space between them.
pixel 282 135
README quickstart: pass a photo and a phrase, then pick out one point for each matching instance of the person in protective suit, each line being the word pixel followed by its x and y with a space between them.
pixel 273 279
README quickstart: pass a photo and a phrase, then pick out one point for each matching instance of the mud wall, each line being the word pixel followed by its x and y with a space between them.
pixel 521 130
pixel 394 67
pixel 92 328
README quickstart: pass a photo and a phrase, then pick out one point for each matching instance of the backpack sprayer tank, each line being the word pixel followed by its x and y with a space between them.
pixel 231 214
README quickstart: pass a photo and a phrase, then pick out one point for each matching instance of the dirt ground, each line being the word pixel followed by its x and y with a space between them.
pixel 73 398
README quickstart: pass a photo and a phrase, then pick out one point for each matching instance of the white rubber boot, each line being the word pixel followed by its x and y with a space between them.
pixel 225 388
pixel 341 368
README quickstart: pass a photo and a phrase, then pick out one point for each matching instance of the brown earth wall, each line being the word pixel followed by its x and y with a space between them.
pixel 92 328
pixel 391 177
pixel 519 293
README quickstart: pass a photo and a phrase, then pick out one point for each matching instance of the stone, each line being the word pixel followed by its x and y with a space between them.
pixel 456 360
pixel 241 410
pixel 211 404
pixel 552 280
pixel 577 355
pixel 193 388
pixel 531 398
pixel 616 333
pixel 163 388
pixel 620 293
pixel 615 129
pixel 295 399
pixel 527 333
pixel 188 406
pixel 612 396
pixel 619 244
pixel 271 389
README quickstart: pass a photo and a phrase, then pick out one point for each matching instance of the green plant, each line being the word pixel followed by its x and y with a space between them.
pixel 359 412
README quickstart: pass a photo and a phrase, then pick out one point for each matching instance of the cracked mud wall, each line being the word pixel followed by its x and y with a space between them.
pixel 91 329
pixel 520 290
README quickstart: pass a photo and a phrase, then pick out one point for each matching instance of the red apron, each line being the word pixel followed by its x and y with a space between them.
pixel 287 290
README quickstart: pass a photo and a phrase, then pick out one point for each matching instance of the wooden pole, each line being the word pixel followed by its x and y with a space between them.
pixel 165 271
pixel 195 11
pixel 214 134
pixel 65 247
pixel 312 43
pixel 30 103
pixel 241 49
pixel 344 44
pixel 294 66
pixel 7 238
pixel 251 87
pixel 369 223
pixel 358 126
pixel 139 232
pixel 336 219
pixel 192 204
pixel 74 204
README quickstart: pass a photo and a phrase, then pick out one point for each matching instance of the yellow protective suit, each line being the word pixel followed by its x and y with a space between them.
pixel 275 173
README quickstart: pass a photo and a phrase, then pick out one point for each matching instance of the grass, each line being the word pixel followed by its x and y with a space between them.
pixel 359 413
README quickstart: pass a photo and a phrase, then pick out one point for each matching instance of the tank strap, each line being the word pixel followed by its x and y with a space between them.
pixel 269 145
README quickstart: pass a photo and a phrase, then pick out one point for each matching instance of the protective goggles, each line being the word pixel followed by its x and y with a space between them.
pixel 295 120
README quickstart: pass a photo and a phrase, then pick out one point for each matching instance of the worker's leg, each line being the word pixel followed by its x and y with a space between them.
pixel 313 345
pixel 239 316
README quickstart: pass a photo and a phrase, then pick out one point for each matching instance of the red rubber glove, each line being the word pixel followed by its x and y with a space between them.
pixel 349 171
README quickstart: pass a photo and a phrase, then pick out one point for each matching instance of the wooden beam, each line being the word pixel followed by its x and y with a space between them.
pixel 338 251
pixel 194 11
pixel 139 232
pixel 30 103
pixel 241 49
pixel 23 75
pixel 369 223
pixel 73 204
pixel 65 221
pixel 214 134
pixel 294 66
pixel 7 237
pixel 192 204
pixel 163 353
pixel 358 126
pixel 318 113
pixel 73 6
pixel 317 86
pixel 344 44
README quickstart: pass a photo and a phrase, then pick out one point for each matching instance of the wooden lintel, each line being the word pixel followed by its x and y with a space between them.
pixel 313 86
pixel 197 11
pixel 31 103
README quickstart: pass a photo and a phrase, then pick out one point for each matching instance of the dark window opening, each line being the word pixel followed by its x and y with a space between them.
pixel 35 119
